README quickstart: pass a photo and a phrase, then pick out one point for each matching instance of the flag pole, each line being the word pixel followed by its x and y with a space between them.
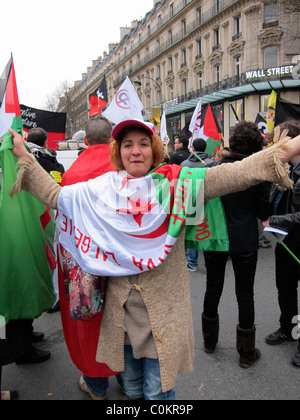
pixel 286 248
pixel 198 157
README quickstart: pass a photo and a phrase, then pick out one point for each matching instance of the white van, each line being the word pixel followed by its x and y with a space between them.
pixel 67 157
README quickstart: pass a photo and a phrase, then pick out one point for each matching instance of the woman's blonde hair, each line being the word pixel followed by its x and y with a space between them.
pixel 115 148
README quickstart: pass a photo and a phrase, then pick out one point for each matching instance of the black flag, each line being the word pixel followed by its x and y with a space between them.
pixel 286 110
pixel 98 99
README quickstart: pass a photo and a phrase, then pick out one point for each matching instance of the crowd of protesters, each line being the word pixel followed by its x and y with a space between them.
pixel 138 335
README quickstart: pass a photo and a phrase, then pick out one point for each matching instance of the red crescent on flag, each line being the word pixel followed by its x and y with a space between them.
pixel 156 233
pixel 138 211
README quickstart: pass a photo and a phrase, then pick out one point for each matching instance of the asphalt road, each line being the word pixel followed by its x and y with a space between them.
pixel 215 377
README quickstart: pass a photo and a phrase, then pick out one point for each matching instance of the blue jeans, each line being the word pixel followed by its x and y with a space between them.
pixel 141 378
pixel 192 257
pixel 97 386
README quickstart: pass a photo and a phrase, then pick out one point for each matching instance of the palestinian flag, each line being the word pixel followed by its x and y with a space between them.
pixel 54 123
pixel 98 99
pixel 26 228
pixel 286 110
pixel 134 228
pixel 209 130
pixel 10 113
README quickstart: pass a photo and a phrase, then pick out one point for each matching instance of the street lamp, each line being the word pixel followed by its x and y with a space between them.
pixel 138 83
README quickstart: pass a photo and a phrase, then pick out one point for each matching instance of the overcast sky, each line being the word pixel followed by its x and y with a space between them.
pixel 57 40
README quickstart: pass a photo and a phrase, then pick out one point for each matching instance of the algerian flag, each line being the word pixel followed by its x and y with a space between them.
pixel 125 105
pixel 10 113
pixel 130 225
pixel 163 130
pixel 26 228
pixel 195 124
pixel 209 131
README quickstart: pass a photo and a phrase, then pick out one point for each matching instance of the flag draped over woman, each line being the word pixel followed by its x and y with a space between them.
pixel 124 220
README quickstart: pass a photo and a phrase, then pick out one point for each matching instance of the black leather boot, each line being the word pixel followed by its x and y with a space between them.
pixel 210 332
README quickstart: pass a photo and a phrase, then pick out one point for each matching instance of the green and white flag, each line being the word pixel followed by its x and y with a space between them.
pixel 117 225
pixel 26 227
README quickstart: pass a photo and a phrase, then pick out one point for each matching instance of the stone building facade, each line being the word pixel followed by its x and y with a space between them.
pixel 230 53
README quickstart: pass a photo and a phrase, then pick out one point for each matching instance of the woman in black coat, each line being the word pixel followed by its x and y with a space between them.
pixel 242 210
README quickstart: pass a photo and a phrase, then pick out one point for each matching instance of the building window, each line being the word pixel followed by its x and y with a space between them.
pixel 216 39
pixel 199 49
pixel 170 65
pixel 238 66
pixel 171 92
pixel 217 74
pixel 237 28
pixel 159 21
pixel 200 80
pixel 183 27
pixel 158 46
pixel 158 72
pixel 172 10
pixel 237 25
pixel 271 57
pixel 183 58
pixel 170 37
pixel 199 16
pixel 217 6
pixel 271 13
pixel 184 87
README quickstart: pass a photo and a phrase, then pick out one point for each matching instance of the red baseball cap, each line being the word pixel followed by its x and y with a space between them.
pixel 134 123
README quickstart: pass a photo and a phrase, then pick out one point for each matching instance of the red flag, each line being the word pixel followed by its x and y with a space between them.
pixel 98 99
pixel 81 336
pixel 9 100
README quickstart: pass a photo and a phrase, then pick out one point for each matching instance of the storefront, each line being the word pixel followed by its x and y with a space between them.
pixel 243 101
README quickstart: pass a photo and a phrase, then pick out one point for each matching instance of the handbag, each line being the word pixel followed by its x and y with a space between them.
pixel 85 292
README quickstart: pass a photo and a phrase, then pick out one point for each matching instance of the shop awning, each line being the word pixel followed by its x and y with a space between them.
pixel 232 93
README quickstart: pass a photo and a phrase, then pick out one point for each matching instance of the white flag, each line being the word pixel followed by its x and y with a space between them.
pixel 125 104
pixel 195 125
pixel 163 130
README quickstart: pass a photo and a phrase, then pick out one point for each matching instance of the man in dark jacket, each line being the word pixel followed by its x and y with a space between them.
pixel 198 159
pixel 242 210
pixel 181 150
pixel 37 142
pixel 287 217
